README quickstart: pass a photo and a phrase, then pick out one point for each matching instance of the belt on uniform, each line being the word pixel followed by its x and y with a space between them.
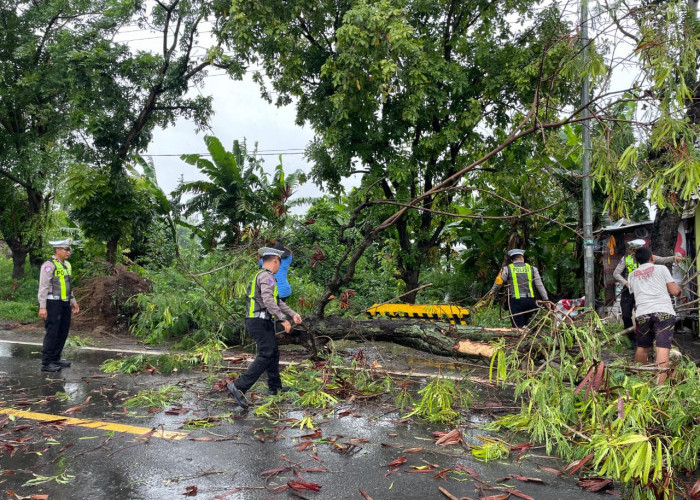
pixel 262 315
pixel 56 297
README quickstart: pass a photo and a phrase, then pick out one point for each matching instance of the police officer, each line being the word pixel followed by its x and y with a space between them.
pixel 626 265
pixel 521 296
pixel 56 304
pixel 264 308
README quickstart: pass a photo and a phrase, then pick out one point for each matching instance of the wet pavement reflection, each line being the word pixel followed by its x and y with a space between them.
pixel 351 448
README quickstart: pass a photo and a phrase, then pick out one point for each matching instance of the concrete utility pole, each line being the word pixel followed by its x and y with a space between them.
pixel 588 270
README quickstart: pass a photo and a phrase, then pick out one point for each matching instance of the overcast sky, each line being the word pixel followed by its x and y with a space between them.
pixel 239 113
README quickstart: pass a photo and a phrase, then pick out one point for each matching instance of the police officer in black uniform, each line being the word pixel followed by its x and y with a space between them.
pixel 264 308
pixel 520 278
pixel 56 304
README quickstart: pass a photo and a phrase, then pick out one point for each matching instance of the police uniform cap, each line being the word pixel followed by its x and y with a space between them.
pixel 265 251
pixel 61 243
pixel 638 243
pixel 515 251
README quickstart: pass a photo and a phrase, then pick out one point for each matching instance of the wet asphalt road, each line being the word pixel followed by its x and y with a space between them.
pixel 350 447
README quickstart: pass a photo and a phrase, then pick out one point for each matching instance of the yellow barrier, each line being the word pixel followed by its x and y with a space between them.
pixel 428 312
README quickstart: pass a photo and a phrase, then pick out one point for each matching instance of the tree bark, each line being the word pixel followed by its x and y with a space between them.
pixel 112 249
pixel 439 338
pixel 19 256
pixel 665 232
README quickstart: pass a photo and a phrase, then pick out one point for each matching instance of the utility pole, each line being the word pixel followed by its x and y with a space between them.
pixel 588 270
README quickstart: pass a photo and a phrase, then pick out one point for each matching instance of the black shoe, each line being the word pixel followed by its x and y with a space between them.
pixel 237 395
pixel 275 392
pixel 63 364
pixel 51 367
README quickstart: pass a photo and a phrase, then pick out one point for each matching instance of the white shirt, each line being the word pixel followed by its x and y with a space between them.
pixel 648 284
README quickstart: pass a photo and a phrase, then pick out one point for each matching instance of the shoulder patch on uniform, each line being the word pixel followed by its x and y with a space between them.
pixel 48 268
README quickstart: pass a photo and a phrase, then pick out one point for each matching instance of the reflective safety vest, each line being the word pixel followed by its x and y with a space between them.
pixel 630 264
pixel 255 299
pixel 514 271
pixel 61 285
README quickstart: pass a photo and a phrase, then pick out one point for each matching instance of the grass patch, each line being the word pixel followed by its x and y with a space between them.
pixel 22 312
pixel 18 300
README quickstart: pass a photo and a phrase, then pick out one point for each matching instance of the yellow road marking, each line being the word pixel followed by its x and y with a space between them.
pixel 93 424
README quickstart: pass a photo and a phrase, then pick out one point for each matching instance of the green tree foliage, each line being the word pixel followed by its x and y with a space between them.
pixel 107 204
pixel 237 197
pixel 618 423
pixel 131 93
pixel 318 248
pixel 664 161
pixel 37 43
pixel 396 91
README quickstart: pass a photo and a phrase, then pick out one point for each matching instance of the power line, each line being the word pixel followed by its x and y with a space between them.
pixel 295 151
pixel 160 37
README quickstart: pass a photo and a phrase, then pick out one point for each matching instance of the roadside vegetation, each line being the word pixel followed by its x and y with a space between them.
pixel 18 297
pixel 460 126
pixel 607 417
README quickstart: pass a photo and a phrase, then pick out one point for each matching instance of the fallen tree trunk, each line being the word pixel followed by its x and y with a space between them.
pixel 440 338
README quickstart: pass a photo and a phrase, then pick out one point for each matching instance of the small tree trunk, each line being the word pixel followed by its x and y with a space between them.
pixel 410 277
pixel 665 232
pixel 19 256
pixel 112 250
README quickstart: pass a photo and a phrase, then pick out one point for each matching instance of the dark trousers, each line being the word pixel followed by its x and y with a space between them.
pixel 626 306
pixel 268 358
pixel 57 324
pixel 518 307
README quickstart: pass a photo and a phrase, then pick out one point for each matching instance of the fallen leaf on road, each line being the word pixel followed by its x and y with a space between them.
pixel 204 438
pixel 521 448
pixel 413 450
pixel 448 438
pixel 303 485
pixel 359 440
pixel 516 493
pixel 388 445
pixel 576 465
pixel 501 496
pixel 317 433
pixel 447 493
pixel 694 492
pixel 441 474
pixel 398 461
pixel 176 411
pixel 472 472
pixel 303 445
pixel 556 472
pixel 190 491
pixel 392 471
pixel 271 472
pixel 524 479
pixel 594 483
pixel 367 497
pixel 75 409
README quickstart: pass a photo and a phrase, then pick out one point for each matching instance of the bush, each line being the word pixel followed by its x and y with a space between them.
pixel 189 299
pixel 18 299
